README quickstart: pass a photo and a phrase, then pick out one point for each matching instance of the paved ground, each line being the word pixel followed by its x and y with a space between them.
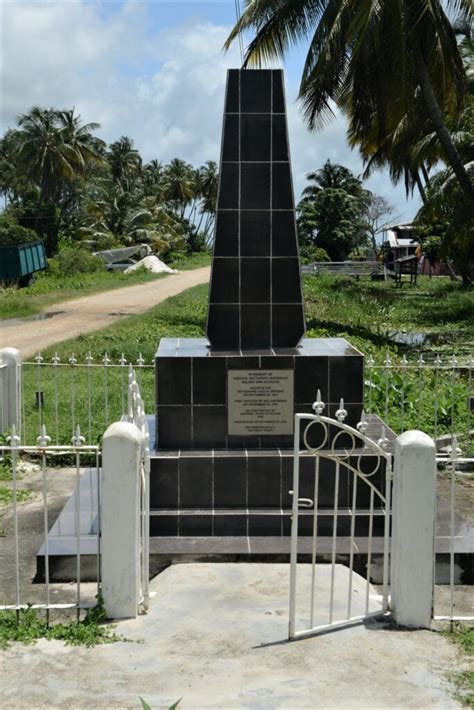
pixel 216 637
pixel 83 315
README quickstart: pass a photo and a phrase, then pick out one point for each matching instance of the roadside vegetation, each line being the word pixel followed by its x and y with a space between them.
pixel 58 284
pixel 370 315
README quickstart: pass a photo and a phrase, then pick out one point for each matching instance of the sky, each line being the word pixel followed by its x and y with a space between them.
pixel 154 71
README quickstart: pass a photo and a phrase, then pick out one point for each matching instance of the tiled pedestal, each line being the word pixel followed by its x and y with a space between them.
pixel 192 398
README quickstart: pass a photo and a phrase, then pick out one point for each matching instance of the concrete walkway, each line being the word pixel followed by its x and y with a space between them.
pixel 83 315
pixel 216 637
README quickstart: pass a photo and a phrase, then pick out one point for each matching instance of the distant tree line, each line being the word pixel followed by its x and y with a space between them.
pixel 62 181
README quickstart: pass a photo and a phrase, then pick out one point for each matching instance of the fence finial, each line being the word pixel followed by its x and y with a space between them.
pixel 43 439
pixel 362 426
pixel 341 413
pixel 319 405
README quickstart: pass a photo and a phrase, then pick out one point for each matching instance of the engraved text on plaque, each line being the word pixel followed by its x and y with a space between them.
pixel 260 402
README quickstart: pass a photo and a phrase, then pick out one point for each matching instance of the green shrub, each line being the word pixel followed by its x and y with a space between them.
pixel 76 260
pixel 12 233
pixel 310 253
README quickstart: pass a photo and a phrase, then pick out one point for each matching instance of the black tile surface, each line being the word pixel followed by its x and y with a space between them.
pixel 255 233
pixel 229 186
pixel 255 280
pixel 166 525
pixel 173 427
pixel 173 380
pixel 286 283
pixel 311 374
pixel 223 326
pixel 278 95
pixel 227 234
pixel 209 380
pixel 254 189
pixel 255 327
pixel 284 234
pixel 264 481
pixel 195 525
pixel 209 426
pixel 279 139
pixel 287 325
pixel 230 147
pixel 255 186
pixel 195 482
pixel 255 90
pixel 282 194
pixel 346 379
pixel 230 487
pixel 255 137
pixel 164 483
pixel 225 280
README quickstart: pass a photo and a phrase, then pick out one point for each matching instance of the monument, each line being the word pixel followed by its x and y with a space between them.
pixel 225 405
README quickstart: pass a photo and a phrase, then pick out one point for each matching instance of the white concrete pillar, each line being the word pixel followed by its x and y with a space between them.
pixel 10 389
pixel 120 520
pixel 413 529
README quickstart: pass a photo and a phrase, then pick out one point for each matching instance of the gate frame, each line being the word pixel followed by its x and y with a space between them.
pixel 379 449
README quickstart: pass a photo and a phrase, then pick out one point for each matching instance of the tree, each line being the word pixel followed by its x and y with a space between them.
pixel 331 221
pixel 124 160
pixel 371 59
pixel 377 207
pixel 180 184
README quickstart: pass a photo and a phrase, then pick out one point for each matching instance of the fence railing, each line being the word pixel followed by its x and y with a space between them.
pixel 435 396
pixel 89 518
pixel 92 393
pixel 47 456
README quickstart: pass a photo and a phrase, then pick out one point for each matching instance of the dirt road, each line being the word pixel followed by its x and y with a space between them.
pixel 83 315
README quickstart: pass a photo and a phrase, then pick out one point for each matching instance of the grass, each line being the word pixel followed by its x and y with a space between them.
pixel 463 637
pixel 49 288
pixel 367 314
pixel 28 625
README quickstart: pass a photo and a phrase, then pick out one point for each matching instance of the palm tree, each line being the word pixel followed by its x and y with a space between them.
pixel 179 184
pixel 79 136
pixel 124 160
pixel 332 175
pixel 208 180
pixel 371 58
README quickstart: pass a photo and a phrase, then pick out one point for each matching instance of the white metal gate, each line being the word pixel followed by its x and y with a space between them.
pixel 358 481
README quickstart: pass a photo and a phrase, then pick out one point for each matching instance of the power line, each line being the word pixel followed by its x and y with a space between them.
pixel 241 43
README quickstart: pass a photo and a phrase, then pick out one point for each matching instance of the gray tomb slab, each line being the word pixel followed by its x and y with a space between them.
pixel 255 298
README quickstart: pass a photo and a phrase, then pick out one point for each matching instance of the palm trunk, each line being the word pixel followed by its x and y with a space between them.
pixel 436 117
pixel 426 177
pixel 420 187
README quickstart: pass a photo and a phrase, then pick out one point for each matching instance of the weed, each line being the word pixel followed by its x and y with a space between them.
pixel 27 626
pixel 463 636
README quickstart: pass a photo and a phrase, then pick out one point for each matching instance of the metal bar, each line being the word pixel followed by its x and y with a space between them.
pixel 386 541
pixel 45 527
pixel 369 550
pixel 89 397
pixel 294 528
pixel 351 552
pixel 55 361
pixel 336 625
pixel 334 541
pixel 15 517
pixel 78 531
pixel 451 530
pixel 315 537
pixel 97 467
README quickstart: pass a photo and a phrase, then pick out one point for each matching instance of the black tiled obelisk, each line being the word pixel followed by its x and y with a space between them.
pixel 255 300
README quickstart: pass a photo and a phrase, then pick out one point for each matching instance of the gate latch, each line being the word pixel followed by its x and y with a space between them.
pixel 304 502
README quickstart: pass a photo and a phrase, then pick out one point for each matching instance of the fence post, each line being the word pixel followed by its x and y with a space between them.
pixel 413 528
pixel 120 520
pixel 10 379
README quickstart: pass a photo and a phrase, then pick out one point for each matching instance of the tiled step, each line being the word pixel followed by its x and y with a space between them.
pixel 255 522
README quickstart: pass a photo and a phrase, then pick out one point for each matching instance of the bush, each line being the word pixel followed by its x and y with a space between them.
pixel 77 260
pixel 310 253
pixel 12 233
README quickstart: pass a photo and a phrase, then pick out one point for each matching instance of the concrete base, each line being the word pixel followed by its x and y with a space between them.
pixel 216 636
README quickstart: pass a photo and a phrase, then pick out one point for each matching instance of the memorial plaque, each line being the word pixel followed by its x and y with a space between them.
pixel 260 402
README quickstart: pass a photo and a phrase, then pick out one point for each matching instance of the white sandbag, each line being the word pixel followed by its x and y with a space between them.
pixel 153 264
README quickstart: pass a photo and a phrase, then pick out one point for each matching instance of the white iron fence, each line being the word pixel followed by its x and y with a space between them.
pixel 91 393
pixel 434 395
pixel 81 527
pixel 358 479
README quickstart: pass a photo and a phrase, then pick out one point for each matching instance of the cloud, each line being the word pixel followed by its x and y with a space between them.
pixel 163 86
